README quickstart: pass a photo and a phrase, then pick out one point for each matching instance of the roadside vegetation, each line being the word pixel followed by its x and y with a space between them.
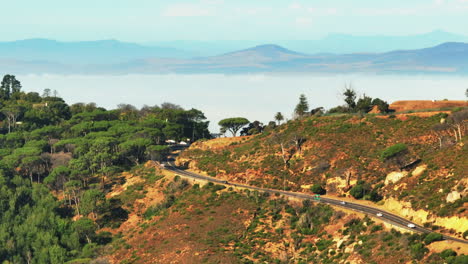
pixel 213 224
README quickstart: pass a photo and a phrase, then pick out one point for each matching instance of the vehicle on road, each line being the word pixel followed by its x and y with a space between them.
pixel 411 226
pixel 225 182
pixel 379 214
pixel 343 202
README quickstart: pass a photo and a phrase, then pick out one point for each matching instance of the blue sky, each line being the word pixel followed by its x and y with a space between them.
pixel 264 20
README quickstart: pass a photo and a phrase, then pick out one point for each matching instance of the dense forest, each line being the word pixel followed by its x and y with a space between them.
pixel 56 163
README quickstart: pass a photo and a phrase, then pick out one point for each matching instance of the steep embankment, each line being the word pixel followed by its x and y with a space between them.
pixel 173 220
pixel 402 165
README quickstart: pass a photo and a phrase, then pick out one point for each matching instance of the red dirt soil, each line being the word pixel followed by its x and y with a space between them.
pixel 400 106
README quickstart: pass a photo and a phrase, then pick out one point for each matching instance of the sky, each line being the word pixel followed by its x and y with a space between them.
pixel 205 20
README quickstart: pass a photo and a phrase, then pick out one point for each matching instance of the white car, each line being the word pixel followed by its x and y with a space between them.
pixel 379 214
pixel 411 226
pixel 343 202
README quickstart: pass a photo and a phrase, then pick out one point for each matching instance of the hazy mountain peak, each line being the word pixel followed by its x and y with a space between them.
pixel 266 50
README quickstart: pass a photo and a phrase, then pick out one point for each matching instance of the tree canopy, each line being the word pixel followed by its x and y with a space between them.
pixel 233 124
pixel 302 107
pixel 75 151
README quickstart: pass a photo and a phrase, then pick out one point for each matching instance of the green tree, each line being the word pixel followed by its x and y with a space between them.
pixel 86 228
pixel 431 237
pixel 357 191
pixel 12 112
pixel 135 149
pixel 92 202
pixel 418 251
pixel 279 118
pixel 9 86
pixel 233 124
pixel 157 152
pixel 364 104
pixel 381 104
pixel 302 107
pixel 350 98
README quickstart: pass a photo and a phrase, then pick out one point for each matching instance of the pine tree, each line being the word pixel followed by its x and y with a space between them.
pixel 302 107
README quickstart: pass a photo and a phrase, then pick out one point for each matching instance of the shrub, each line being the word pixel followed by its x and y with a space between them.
pixel 393 151
pixel 432 237
pixel 418 251
pixel 318 189
pixel 357 191
pixel 447 253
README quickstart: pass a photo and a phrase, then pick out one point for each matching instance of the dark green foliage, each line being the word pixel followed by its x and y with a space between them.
pixel 448 253
pixel 302 107
pixel 357 191
pixel 431 237
pixel 364 104
pixel 318 189
pixel 233 124
pixel 418 250
pixel 9 86
pixel 350 97
pixel 77 152
pixel 393 151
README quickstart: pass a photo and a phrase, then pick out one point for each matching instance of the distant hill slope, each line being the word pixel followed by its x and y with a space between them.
pixel 333 43
pixel 101 51
pixel 447 58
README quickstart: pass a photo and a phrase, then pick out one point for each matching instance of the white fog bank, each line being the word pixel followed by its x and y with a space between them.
pixel 256 97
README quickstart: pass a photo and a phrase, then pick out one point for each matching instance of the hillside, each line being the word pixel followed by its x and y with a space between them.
pixel 173 220
pixel 404 166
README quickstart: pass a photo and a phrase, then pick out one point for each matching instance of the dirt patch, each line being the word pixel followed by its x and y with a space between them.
pixel 400 106
pixel 130 180
pixel 440 246
pixel 219 142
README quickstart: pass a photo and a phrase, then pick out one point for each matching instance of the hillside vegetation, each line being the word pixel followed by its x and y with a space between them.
pixel 208 223
pixel 58 162
pixel 377 158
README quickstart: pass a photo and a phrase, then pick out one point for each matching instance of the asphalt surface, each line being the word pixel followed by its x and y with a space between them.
pixel 371 211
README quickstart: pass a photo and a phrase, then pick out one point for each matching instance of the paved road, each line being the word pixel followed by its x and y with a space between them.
pixel 387 217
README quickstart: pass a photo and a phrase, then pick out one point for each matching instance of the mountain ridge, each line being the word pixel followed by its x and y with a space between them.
pixel 446 58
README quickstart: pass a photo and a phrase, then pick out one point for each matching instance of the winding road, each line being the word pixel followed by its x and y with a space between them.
pixel 371 211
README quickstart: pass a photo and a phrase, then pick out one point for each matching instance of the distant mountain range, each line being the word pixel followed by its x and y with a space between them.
pixel 333 43
pixel 83 52
pixel 113 57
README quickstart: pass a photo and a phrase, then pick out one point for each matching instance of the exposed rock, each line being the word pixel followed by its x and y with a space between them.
pixel 459 224
pixel 349 249
pixel 419 170
pixel 395 176
pixel 338 184
pixel 341 241
pixel 453 196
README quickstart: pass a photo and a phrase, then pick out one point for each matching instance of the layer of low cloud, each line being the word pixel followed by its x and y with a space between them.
pixel 257 97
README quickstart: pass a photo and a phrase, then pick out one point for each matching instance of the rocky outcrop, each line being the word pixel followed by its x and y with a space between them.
pixel 421 216
pixel 419 171
pixel 453 196
pixel 395 176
